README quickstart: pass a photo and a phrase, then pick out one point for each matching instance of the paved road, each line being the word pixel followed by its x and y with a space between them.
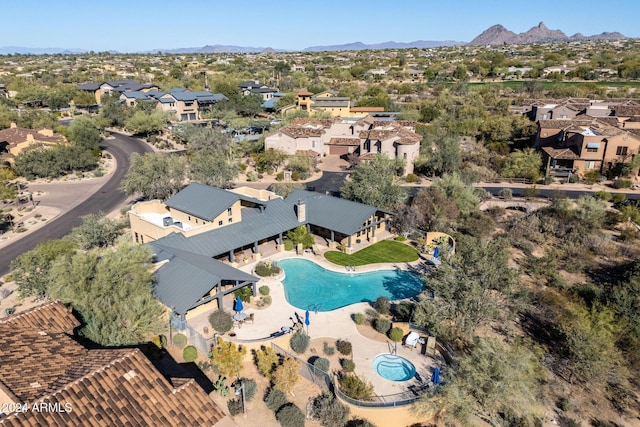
pixel 104 200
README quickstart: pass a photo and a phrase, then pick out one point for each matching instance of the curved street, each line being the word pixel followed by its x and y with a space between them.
pixel 105 199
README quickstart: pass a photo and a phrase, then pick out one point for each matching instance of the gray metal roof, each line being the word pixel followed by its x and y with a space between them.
pixel 333 213
pixel 202 201
pixel 187 277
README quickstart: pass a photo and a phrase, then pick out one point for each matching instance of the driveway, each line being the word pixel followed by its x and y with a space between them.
pixel 75 200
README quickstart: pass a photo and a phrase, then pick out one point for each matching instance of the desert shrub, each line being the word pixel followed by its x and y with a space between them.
pixel 411 178
pixel 250 387
pixel 300 342
pixel 591 176
pixel 602 195
pixel 396 334
pixel 359 318
pixel 221 321
pixel 244 293
pixel 266 361
pixel 354 387
pixel 265 269
pixel 280 176
pixel 371 313
pixel 359 422
pixel 531 191
pixel 179 340
pixel 235 407
pixel 264 290
pixel 327 349
pixel 189 354
pixel 266 299
pixel 506 193
pixel 288 245
pixel 619 198
pixel 402 311
pixel 628 234
pixel 383 325
pixel 329 411
pixel 290 416
pixel 382 305
pixel 322 364
pixel 348 365
pixel 344 347
pixel 622 183
pixel 275 399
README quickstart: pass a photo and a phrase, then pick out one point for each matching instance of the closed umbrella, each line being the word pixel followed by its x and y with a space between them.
pixel 239 306
pixel 436 252
pixel 436 376
pixel 306 320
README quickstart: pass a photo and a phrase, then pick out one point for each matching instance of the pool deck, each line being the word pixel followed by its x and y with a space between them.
pixel 337 324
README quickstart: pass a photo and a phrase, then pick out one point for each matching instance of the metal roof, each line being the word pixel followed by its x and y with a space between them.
pixel 202 201
pixel 188 277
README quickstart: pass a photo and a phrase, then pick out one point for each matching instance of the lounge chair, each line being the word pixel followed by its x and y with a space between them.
pixel 411 340
pixel 315 249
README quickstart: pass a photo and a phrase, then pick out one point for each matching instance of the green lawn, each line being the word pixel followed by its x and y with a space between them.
pixel 383 251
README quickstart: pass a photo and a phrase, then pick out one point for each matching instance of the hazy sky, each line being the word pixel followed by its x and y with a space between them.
pixel 139 25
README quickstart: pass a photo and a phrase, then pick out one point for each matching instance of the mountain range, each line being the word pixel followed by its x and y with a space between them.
pixel 499 35
pixel 495 35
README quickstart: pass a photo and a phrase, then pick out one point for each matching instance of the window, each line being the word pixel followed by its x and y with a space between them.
pixel 189 217
pixel 229 211
pixel 196 220
pixel 622 151
pixel 314 144
pixel 137 240
pixel 220 222
pixel 592 150
pixel 590 165
pixel 230 220
pixel 141 238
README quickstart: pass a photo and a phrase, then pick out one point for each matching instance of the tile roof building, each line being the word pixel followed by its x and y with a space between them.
pixel 48 378
pixel 99 89
pixel 14 139
pixel 183 104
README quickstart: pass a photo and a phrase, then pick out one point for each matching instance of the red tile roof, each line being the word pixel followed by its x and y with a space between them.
pixel 50 317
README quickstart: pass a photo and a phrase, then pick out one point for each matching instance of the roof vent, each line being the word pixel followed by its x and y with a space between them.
pixel 35 384
pixel 130 375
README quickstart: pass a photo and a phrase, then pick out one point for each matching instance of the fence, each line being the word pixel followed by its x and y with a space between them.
pixel 307 370
pixel 196 339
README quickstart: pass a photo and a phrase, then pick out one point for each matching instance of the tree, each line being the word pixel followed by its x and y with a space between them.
pixel 300 235
pixel 212 169
pixel 7 191
pixel 266 361
pixel 269 160
pixel 96 231
pixel 31 269
pixel 143 123
pixel 494 379
pixel 445 157
pixel 155 176
pixel 228 358
pixel 375 183
pixel 590 212
pixel 523 164
pixel 471 289
pixel 84 133
pixel 286 375
pixel 461 194
pixel 112 291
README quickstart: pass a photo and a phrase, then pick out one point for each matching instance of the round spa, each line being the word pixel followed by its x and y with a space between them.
pixel 394 368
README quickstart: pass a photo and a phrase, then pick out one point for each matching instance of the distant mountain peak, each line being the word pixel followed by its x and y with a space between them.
pixel 499 35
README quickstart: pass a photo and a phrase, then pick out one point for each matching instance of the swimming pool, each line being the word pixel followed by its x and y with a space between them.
pixel 309 286
pixel 394 368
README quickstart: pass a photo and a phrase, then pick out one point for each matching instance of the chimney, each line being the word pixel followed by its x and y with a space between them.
pixel 301 210
pixel 13 125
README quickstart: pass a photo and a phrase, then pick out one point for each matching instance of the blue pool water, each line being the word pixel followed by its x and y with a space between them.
pixel 394 368
pixel 307 284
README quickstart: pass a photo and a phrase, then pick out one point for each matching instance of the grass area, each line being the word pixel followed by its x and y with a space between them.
pixel 383 251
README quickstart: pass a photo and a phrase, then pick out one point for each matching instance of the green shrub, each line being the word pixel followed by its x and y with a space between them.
pixel 602 195
pixel 244 293
pixel 250 387
pixel 280 176
pixel 402 311
pixel 264 290
pixel 531 191
pixel 383 325
pixel 266 299
pixel 618 198
pixel 506 193
pixel 299 342
pixel 344 347
pixel 189 354
pixel 591 176
pixel 396 334
pixel 622 183
pixel 329 411
pixel 221 321
pixel 180 340
pixel 348 365
pixel 322 364
pixel 354 387
pixel 160 341
pixel 235 407
pixel 266 361
pixel 382 305
pixel 289 245
pixel 327 349
pixel 275 399
pixel 371 313
pixel 400 238
pixel 266 269
pixel 411 178
pixel 359 422
pixel 359 318
pixel 290 416
pixel 628 234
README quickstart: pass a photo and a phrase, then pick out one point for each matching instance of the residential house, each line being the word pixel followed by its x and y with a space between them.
pixel 184 105
pixel 98 89
pixel 202 233
pixel 364 137
pixel 14 139
pixel 254 87
pixel 328 103
pixel 49 378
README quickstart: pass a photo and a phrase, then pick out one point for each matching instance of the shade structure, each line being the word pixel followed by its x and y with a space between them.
pixel 436 376
pixel 306 318
pixel 436 252
pixel 239 306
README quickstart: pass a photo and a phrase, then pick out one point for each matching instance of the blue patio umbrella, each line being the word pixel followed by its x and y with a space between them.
pixel 306 320
pixel 239 306
pixel 436 252
pixel 436 376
